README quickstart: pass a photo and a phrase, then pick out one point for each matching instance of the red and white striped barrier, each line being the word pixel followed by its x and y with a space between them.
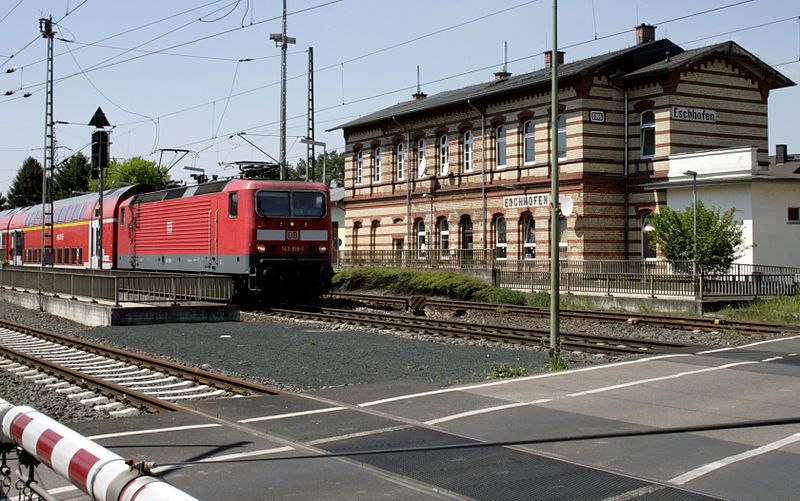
pixel 90 467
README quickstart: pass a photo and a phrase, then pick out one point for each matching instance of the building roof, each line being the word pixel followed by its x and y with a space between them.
pixel 634 62
pixel 790 166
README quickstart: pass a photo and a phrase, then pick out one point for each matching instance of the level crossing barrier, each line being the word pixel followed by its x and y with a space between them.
pixel 90 467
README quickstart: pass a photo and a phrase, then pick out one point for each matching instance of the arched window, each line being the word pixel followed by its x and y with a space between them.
pixel 373 235
pixel 376 163
pixel 465 230
pixel 443 155
pixel 443 231
pixel 359 161
pixel 467 142
pixel 421 158
pixel 529 142
pixel 399 161
pixel 562 136
pixel 356 230
pixel 419 228
pixel 648 251
pixel 500 146
pixel 500 240
pixel 529 237
pixel 648 133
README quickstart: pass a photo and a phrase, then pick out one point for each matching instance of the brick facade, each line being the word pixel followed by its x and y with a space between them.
pixel 723 79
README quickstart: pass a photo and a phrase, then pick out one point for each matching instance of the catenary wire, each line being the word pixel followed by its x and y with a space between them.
pixel 735 425
pixel 12 10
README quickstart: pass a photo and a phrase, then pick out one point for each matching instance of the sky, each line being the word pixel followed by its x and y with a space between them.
pixel 191 74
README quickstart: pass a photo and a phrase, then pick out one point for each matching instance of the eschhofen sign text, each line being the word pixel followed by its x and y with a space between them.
pixel 694 114
pixel 518 201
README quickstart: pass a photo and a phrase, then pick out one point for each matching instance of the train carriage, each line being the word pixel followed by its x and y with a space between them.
pixel 273 237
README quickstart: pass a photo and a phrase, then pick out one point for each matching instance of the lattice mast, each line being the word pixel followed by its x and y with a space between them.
pixel 310 154
pixel 46 27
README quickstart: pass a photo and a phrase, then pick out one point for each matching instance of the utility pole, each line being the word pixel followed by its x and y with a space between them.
pixel 310 156
pixel 554 210
pixel 46 27
pixel 284 41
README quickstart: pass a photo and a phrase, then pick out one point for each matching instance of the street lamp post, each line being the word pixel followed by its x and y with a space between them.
pixel 694 218
pixel 308 140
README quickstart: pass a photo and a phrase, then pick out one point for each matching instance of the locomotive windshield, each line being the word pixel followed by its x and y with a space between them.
pixel 281 203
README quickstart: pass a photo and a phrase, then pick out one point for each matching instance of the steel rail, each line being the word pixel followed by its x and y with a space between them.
pixel 118 393
pixel 747 327
pixel 230 384
pixel 522 335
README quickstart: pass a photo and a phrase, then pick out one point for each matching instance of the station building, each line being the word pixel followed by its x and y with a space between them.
pixel 470 168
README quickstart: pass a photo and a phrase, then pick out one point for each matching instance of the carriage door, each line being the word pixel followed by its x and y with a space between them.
pixel 94 258
pixel 17 247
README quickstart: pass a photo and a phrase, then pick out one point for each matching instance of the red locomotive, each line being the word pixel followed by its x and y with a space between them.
pixel 269 235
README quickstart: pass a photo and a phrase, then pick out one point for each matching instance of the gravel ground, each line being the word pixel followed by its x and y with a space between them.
pixel 301 356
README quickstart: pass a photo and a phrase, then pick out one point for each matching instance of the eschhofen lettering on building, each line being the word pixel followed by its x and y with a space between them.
pixel 694 114
pixel 526 201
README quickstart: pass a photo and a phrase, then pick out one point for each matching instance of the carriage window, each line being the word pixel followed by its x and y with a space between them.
pixel 122 217
pixel 59 256
pixel 290 204
pixel 233 204
pixel 272 204
pixel 308 204
pixel 74 255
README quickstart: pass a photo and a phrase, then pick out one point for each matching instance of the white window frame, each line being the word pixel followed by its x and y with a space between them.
pixel 528 224
pixel 443 228
pixel 467 140
pixel 529 139
pixel 646 227
pixel 649 128
pixel 498 245
pixel 500 144
pixel 400 161
pixel 376 161
pixel 359 160
pixel 444 150
pixel 421 168
pixel 421 240
pixel 562 136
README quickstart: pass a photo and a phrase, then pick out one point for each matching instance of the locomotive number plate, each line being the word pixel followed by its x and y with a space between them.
pixel 292 248
pixel 292 235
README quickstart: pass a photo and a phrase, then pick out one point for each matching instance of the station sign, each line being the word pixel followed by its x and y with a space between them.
pixel 526 201
pixel 694 114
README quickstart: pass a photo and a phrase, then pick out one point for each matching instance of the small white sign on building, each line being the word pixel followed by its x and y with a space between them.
pixel 694 114
pixel 525 201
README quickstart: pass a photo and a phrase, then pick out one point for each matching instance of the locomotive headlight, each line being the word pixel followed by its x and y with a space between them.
pixel 261 248
pixel 291 224
pixel 323 249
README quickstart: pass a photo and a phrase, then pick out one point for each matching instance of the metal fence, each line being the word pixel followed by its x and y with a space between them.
pixel 118 287
pixel 651 278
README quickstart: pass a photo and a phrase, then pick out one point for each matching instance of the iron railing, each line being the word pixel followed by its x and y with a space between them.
pixel 119 286
pixel 640 277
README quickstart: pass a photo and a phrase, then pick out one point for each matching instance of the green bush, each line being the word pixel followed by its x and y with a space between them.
pixel 501 296
pixel 431 283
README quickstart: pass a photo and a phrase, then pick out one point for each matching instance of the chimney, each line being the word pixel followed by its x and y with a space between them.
pixel 501 75
pixel 781 155
pixel 548 58
pixel 418 95
pixel 645 33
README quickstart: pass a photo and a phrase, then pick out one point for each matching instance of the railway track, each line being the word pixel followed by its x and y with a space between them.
pixel 676 322
pixel 110 379
pixel 470 330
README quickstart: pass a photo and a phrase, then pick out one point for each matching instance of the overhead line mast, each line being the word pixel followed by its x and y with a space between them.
pixel 284 41
pixel 46 27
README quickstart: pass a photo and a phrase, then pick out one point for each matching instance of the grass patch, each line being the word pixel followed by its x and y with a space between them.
pixel 556 363
pixel 508 372
pixel 779 310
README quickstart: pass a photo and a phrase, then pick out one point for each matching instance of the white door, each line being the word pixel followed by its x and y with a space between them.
pixel 94 258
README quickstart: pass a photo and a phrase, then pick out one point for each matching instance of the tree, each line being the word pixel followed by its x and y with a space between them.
pixel 334 169
pixel 719 238
pixel 27 186
pixel 135 170
pixel 72 176
pixel 3 202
